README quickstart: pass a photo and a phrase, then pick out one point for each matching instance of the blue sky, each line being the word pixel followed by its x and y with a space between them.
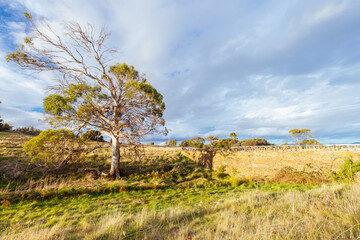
pixel 257 68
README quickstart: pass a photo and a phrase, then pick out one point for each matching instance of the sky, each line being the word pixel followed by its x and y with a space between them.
pixel 256 68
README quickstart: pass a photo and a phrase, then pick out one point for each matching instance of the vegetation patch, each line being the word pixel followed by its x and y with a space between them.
pixel 290 175
pixel 349 171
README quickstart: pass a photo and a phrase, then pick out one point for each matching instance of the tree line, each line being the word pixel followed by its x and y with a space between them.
pixel 214 142
pixel 300 137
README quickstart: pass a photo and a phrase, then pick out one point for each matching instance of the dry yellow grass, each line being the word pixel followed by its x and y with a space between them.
pixel 331 212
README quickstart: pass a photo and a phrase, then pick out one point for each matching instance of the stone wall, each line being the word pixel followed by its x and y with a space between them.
pixel 266 161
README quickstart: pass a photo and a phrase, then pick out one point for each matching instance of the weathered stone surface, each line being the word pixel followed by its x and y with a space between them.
pixel 266 162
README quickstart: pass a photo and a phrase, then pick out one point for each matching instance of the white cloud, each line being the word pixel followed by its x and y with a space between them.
pixel 256 68
pixel 326 12
pixel 20 118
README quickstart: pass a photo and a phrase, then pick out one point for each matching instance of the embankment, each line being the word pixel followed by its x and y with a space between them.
pixel 266 161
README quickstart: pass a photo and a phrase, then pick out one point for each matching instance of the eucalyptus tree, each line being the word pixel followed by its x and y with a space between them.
pixel 300 134
pixel 91 94
pixel 233 135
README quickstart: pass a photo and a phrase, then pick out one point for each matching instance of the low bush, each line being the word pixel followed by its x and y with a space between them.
pixel 55 148
pixel 290 175
pixel 348 171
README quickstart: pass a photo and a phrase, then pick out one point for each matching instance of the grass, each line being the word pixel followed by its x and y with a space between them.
pixel 328 212
pixel 165 195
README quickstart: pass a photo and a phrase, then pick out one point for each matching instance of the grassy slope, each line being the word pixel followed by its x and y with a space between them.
pixel 190 205
pixel 323 213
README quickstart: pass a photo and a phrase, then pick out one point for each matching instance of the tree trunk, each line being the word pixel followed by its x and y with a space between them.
pixel 115 158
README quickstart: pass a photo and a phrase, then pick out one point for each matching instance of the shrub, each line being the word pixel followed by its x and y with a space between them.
pixel 347 171
pixel 220 173
pixel 55 148
pixel 222 169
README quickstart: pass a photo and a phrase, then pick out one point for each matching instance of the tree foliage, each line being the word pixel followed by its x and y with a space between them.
pixel 196 142
pixel 171 143
pixel 228 143
pixel 225 143
pixel 91 94
pixel 28 130
pixel 233 135
pixel 212 140
pixel 55 148
pixel 348 170
pixel 255 142
pixel 300 134
pixel 309 142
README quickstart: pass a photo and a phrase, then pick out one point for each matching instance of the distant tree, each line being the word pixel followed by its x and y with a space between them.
pixel 28 130
pixel 91 95
pixel 151 144
pixel 171 143
pixel 212 140
pixel 226 143
pixel 196 142
pixel 255 142
pixel 300 134
pixel 309 142
pixel 233 135
pixel 4 126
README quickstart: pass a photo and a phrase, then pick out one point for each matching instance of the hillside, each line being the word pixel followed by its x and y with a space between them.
pixel 165 196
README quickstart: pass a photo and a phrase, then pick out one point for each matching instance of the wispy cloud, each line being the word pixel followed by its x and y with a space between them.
pixel 258 68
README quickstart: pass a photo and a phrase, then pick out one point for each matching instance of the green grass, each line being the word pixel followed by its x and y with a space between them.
pixel 166 196
pixel 267 211
pixel 46 211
